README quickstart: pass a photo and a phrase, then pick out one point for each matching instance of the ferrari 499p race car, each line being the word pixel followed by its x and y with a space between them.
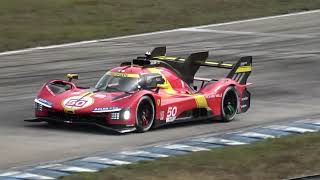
pixel 148 91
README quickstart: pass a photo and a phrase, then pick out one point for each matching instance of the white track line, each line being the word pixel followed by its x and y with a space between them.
pixel 151 33
pixel 246 33
pixel 260 19
pixel 81 43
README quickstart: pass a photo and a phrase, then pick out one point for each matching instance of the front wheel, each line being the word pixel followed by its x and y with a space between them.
pixel 229 104
pixel 145 114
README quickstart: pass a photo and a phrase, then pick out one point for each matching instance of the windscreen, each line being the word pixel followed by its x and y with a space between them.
pixel 116 83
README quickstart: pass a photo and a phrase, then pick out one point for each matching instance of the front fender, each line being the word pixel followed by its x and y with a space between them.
pixel 132 103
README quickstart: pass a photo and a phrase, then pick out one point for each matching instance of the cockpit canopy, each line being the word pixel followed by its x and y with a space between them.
pixel 123 82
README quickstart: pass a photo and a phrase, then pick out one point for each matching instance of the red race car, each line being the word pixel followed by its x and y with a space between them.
pixel 147 92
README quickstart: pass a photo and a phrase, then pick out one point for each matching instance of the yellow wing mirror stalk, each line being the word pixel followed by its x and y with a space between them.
pixel 72 76
pixel 163 86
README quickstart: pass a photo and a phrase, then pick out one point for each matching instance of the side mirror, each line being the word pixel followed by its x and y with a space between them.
pixel 151 81
pixel 72 76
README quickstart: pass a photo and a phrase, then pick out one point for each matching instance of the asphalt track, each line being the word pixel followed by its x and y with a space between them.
pixel 286 86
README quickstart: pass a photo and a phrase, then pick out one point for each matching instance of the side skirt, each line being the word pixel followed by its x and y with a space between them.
pixel 160 123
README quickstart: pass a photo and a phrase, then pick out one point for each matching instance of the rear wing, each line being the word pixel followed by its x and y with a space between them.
pixel 189 66
pixel 241 70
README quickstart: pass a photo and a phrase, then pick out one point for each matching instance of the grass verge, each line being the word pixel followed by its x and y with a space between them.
pixel 30 23
pixel 272 159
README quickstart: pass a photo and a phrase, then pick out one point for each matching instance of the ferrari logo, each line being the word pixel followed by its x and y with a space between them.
pixel 158 102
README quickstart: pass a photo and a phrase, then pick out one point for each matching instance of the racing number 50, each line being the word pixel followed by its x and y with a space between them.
pixel 75 102
pixel 171 113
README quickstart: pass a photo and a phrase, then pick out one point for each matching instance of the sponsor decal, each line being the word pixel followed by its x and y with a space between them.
pixel 106 109
pixel 171 113
pixel 76 93
pixel 43 102
pixel 245 98
pixel 77 102
pixel 100 96
pixel 119 74
pixel 243 63
pixel 243 106
pixel 161 115
pixel 209 96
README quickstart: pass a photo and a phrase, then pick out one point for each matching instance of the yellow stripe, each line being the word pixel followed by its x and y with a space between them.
pixel 218 63
pixel 89 94
pixel 169 58
pixel 123 74
pixel 210 62
pixel 225 64
pixel 201 101
pixel 243 69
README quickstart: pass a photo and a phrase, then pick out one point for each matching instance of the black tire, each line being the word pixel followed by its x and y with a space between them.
pixel 229 104
pixel 145 114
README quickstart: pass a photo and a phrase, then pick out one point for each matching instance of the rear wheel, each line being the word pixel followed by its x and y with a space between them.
pixel 229 104
pixel 145 114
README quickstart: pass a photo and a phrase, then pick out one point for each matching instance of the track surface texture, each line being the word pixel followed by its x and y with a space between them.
pixel 286 53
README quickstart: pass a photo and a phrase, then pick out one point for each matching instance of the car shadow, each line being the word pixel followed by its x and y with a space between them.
pixel 90 129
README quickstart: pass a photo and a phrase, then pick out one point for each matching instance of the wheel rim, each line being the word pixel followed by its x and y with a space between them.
pixel 230 104
pixel 230 108
pixel 145 114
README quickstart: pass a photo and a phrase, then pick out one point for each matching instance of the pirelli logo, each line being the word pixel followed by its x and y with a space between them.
pixel 243 69
pixel 123 74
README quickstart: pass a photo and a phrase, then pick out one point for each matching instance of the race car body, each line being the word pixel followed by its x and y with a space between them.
pixel 148 92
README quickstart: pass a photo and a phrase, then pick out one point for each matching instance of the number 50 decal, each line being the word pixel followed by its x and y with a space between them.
pixel 171 113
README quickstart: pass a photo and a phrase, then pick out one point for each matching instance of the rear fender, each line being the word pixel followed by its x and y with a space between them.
pixel 245 101
pixel 214 92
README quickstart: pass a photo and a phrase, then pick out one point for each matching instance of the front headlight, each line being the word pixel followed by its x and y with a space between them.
pixel 123 115
pixel 126 114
